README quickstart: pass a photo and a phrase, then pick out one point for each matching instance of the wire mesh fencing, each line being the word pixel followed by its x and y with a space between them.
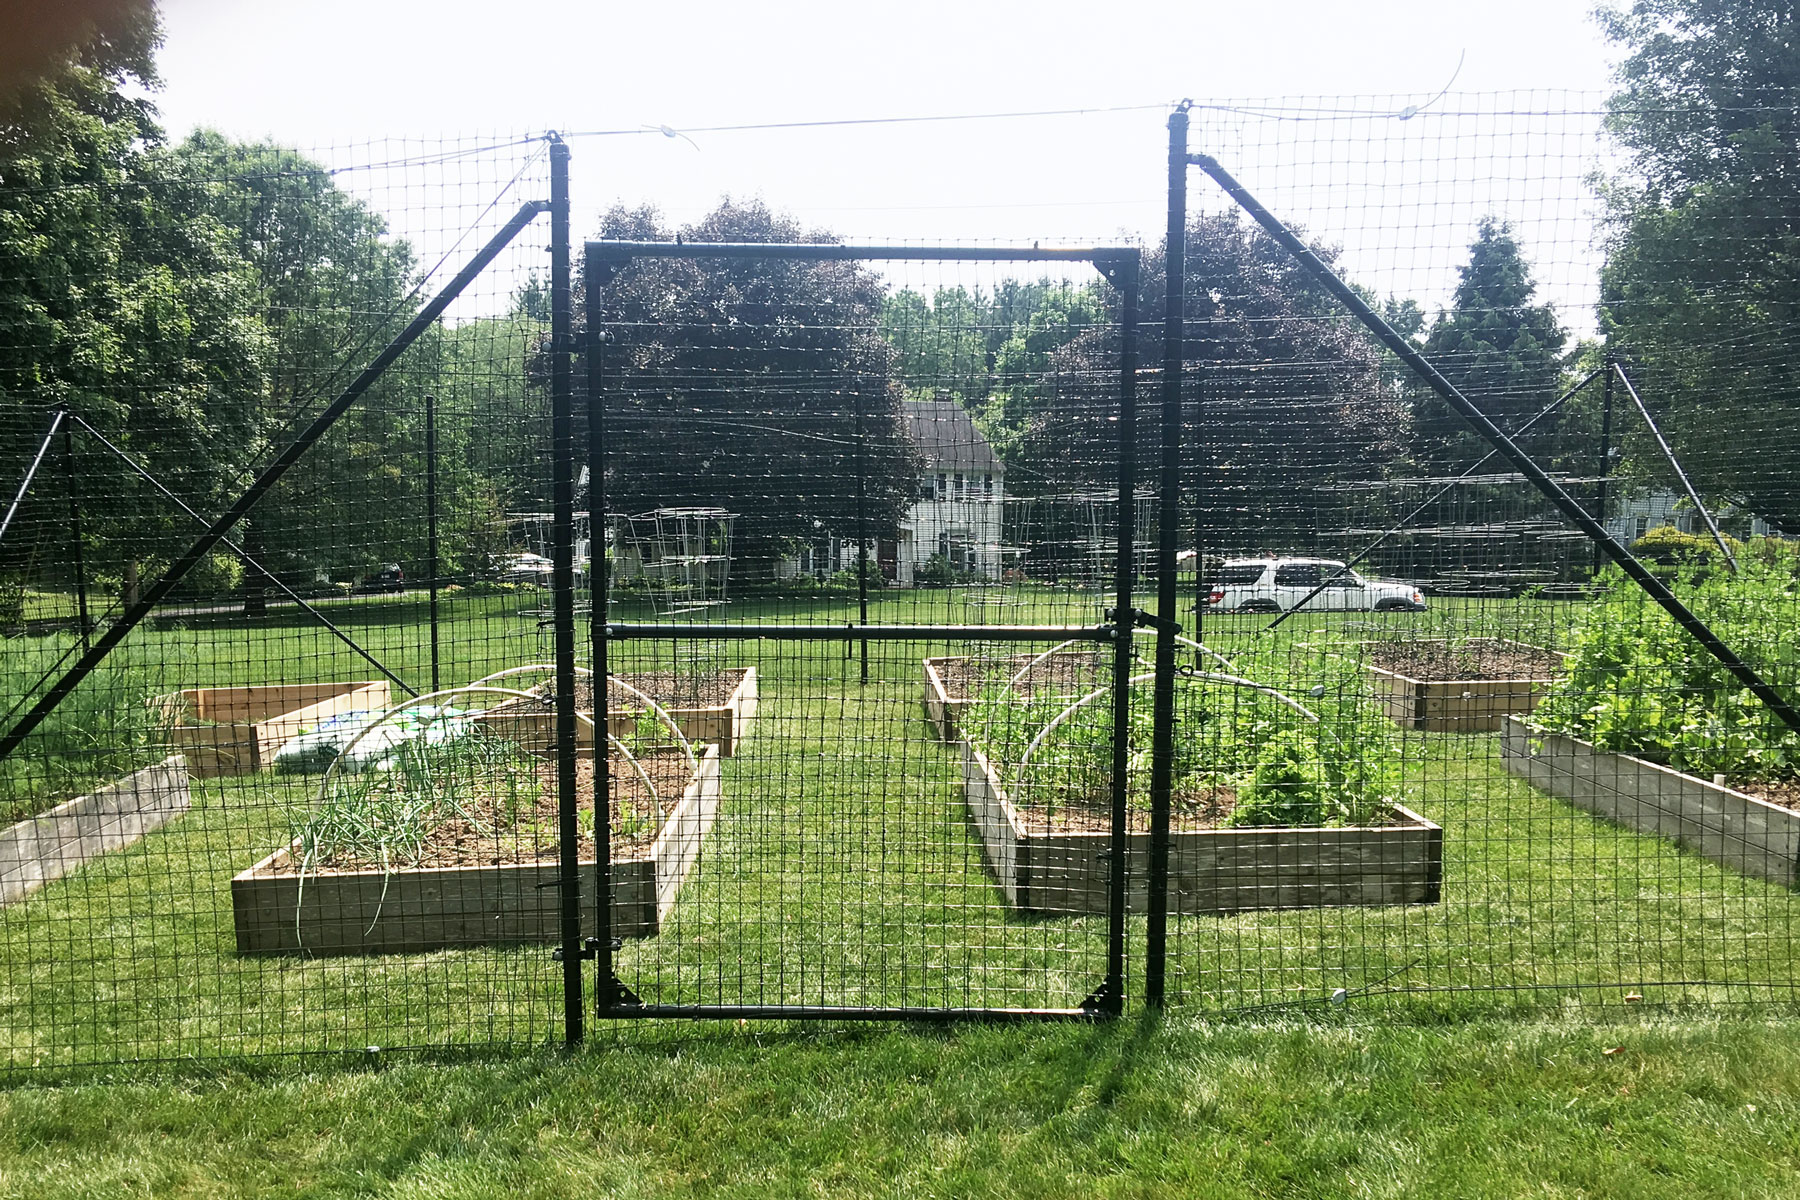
pixel 957 630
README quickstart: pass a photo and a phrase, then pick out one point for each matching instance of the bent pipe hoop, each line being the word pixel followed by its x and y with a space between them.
pixel 196 553
pixel 1482 424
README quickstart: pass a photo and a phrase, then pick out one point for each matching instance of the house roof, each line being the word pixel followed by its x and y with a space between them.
pixel 947 438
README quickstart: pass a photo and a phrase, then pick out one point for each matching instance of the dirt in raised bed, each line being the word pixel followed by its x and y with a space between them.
pixel 1063 672
pixel 668 688
pixel 503 830
pixel 1782 793
pixel 1437 662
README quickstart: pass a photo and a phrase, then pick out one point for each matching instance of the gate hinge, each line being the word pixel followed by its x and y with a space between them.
pixel 1146 620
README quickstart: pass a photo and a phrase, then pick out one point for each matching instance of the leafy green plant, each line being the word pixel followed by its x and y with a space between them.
pixel 1639 684
pixel 1287 770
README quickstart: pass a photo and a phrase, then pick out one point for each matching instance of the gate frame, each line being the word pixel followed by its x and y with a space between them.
pixel 1120 266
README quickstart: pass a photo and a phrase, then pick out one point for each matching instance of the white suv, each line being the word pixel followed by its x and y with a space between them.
pixel 1280 584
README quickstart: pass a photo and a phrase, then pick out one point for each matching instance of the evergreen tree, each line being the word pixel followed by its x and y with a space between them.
pixel 1497 345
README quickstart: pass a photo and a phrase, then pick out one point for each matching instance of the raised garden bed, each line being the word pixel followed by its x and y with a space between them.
pixel 952 683
pixel 236 731
pixel 1729 826
pixel 1460 687
pixel 1041 868
pixel 485 885
pixel 719 711
pixel 50 845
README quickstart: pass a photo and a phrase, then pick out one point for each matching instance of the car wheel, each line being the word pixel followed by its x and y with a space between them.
pixel 1259 606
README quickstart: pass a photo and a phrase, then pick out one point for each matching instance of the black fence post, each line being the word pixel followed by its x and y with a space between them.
pixel 1483 425
pixel 1606 415
pixel 562 486
pixel 1162 749
pixel 80 562
pixel 431 527
pixel 1124 273
pixel 862 531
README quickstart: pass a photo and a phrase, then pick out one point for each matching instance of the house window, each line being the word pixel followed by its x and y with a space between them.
pixel 987 483
pixel 943 488
pixel 958 494
pixel 925 489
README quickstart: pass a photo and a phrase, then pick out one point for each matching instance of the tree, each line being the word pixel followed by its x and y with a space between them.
pixel 738 383
pixel 1701 290
pixel 1498 347
pixel 120 298
pixel 1283 400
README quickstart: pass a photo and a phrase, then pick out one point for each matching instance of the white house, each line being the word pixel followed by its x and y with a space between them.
pixel 961 497
pixel 1635 513
pixel 960 505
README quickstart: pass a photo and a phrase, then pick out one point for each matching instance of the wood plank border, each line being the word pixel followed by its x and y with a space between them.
pixel 50 845
pixel 1729 827
pixel 1456 705
pixel 1210 870
pixel 434 908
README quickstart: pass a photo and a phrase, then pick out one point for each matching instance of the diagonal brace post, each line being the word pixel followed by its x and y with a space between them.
pixel 1482 424
pixel 1675 463
pixel 215 533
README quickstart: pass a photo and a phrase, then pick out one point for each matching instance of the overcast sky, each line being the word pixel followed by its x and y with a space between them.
pixel 1401 197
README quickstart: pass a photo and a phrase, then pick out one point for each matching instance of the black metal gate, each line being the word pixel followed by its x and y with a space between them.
pixel 832 858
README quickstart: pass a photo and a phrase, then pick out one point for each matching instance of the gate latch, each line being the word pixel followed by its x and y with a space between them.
pixel 1146 620
pixel 590 949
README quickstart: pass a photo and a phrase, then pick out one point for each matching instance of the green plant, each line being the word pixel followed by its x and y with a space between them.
pixel 1639 684
pixel 1287 769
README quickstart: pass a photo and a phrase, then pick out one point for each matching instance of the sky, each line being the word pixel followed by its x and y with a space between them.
pixel 1400 196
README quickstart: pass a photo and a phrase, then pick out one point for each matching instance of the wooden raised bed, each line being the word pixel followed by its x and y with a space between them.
pixel 943 710
pixel 245 726
pixel 1210 870
pixel 1729 827
pixel 1458 705
pixel 50 845
pixel 724 725
pixel 345 912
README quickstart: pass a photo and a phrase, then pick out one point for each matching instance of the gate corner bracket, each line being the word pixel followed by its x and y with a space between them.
pixel 1107 1000
pixel 614 995
pixel 1113 269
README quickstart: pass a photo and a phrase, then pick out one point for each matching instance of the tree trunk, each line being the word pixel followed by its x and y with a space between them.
pixel 130 596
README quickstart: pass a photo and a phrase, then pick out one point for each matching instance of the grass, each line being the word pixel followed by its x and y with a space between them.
pixel 1647 1110
pixel 842 870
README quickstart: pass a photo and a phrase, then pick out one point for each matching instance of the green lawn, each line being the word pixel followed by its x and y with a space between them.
pixel 1646 1110
pixel 842 871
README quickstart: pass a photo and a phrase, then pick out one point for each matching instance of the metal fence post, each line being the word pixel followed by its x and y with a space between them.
pixel 431 526
pixel 1124 273
pixel 1162 749
pixel 562 473
pixel 81 589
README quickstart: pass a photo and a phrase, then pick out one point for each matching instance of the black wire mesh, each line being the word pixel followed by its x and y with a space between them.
pixel 1387 797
